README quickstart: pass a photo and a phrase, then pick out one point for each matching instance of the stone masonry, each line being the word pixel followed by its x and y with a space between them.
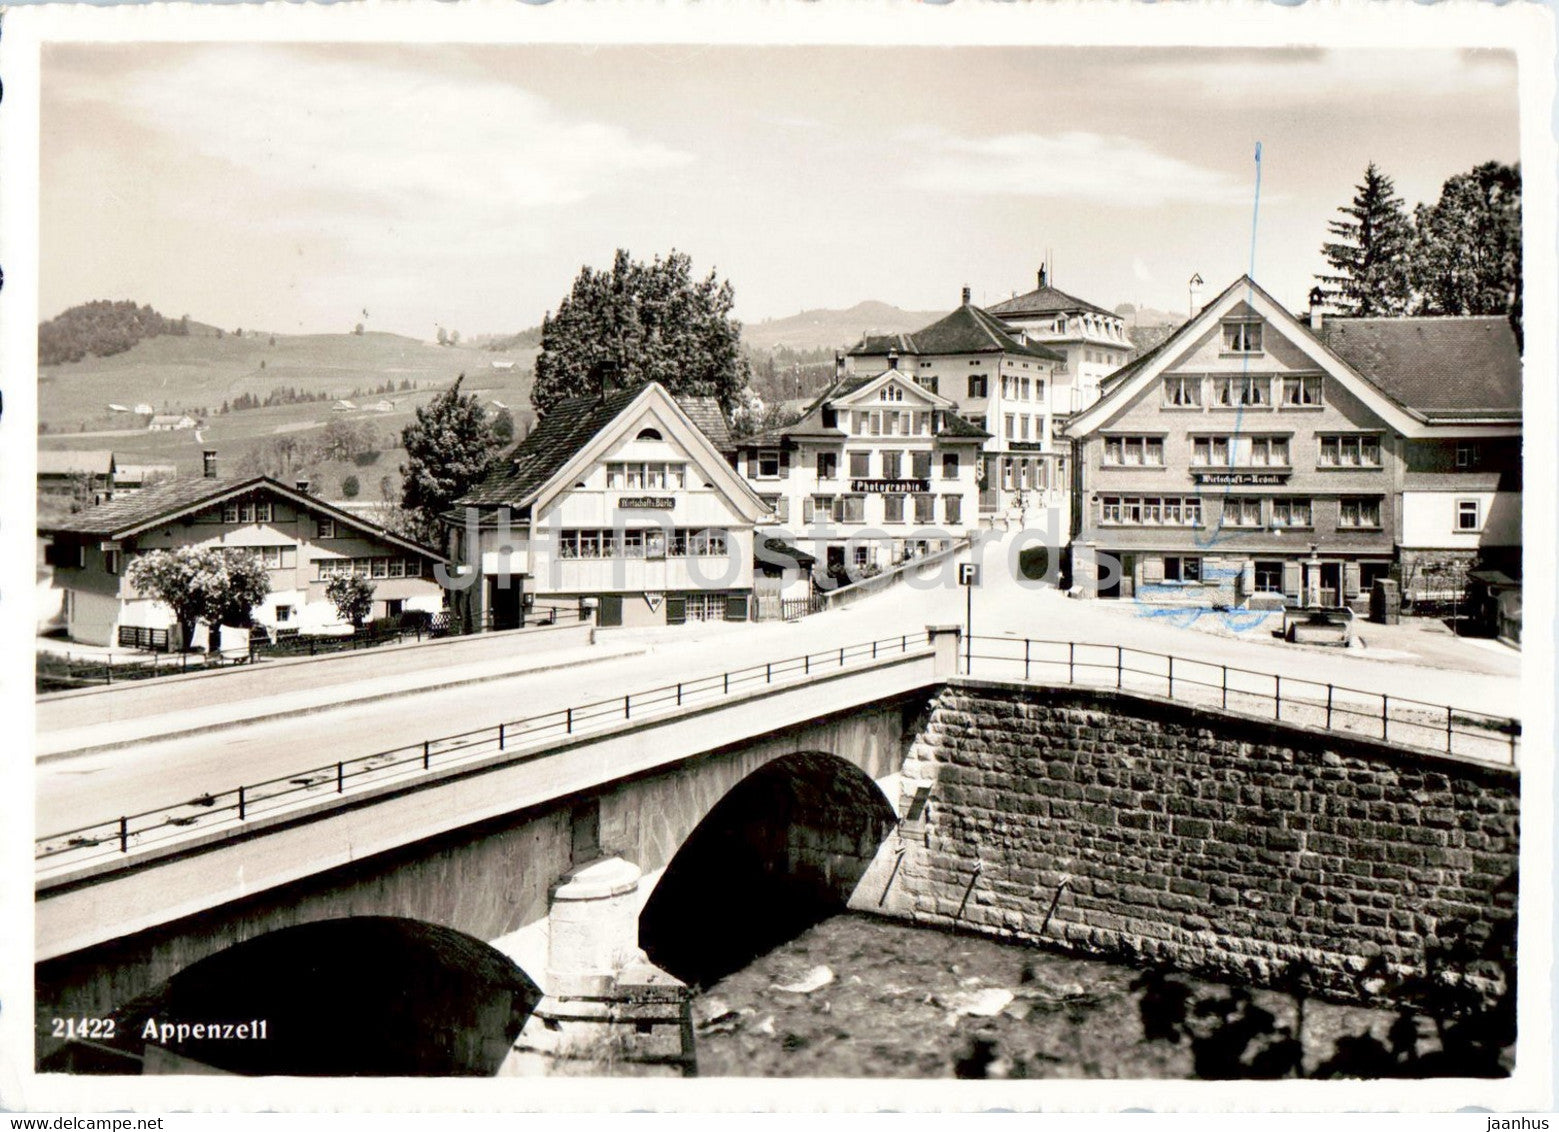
pixel 1141 829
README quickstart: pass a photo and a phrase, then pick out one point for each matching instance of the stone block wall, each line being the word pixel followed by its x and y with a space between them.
pixel 1140 829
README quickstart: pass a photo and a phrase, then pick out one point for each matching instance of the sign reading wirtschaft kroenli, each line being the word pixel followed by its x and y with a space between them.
pixel 889 486
pixel 646 503
pixel 1242 479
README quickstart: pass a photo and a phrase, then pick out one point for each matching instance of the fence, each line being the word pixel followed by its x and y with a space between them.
pixel 55 673
pixel 1434 728
pixel 117 836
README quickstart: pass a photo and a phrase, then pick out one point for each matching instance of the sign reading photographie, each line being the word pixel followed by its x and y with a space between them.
pixel 1242 479
pixel 891 486
pixel 646 502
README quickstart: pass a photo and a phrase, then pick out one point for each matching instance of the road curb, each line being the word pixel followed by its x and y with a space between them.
pixel 98 748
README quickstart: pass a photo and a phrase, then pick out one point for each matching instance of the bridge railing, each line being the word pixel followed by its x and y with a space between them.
pixel 230 808
pixel 1434 728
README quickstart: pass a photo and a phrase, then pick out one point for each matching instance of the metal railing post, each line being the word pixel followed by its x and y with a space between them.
pixel 1118 667
pixel 500 736
pixel 874 650
pixel 841 656
pixel 1025 658
pixel 427 755
pixel 1171 678
pixel 1447 730
pixel 1328 707
pixel 1385 717
pixel 727 691
pixel 1225 687
pixel 768 673
pixel 627 707
pixel 806 665
pixel 242 804
pixel 1277 698
pixel 1071 662
pixel 679 693
pixel 340 778
pixel 568 722
pixel 124 835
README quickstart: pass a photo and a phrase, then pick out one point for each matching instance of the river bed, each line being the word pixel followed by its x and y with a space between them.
pixel 894 1000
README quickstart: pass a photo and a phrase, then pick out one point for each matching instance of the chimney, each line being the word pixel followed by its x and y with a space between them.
pixel 1317 297
pixel 966 296
pixel 839 364
pixel 303 486
pixel 1194 292
pixel 893 355
pixel 1043 277
pixel 209 463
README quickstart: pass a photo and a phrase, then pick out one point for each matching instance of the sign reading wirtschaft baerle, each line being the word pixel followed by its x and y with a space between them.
pixel 646 503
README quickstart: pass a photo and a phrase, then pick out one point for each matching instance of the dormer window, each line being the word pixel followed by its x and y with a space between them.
pixel 1242 336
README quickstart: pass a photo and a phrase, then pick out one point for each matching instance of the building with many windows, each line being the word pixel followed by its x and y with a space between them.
pixel 625 499
pixel 1092 340
pixel 1253 454
pixel 879 469
pixel 992 377
pixel 302 540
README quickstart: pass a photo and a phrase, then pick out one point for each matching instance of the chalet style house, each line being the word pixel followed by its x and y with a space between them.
pixel 879 469
pixel 624 499
pixel 989 374
pixel 302 540
pixel 1257 455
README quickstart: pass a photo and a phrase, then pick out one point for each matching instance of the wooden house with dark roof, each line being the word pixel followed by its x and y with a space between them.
pixel 996 378
pixel 624 499
pixel 302 540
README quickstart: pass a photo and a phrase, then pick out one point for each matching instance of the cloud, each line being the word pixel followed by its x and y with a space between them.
pixel 1140 270
pixel 1341 75
pixel 1100 168
pixel 361 136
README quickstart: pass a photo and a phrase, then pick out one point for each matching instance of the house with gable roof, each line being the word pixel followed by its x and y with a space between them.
pixel 1259 456
pixel 998 381
pixel 625 499
pixel 302 540
pixel 879 469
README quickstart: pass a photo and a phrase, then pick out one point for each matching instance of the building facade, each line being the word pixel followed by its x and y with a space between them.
pixel 1092 341
pixel 623 500
pixel 995 380
pixel 303 541
pixel 1244 459
pixel 880 469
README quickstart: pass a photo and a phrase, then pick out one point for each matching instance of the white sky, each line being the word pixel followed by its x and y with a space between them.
pixel 289 188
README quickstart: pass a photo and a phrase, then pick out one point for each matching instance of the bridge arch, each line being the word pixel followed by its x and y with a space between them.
pixel 782 849
pixel 352 996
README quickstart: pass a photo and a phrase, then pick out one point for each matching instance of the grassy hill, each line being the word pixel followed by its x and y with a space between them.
pixel 200 372
pixel 834 329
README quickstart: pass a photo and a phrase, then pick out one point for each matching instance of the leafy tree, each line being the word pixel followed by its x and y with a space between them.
pixel 352 596
pixel 358 330
pixel 448 448
pixel 350 487
pixel 503 426
pixel 101 328
pixel 1369 257
pixel 443 336
pixel 345 440
pixel 642 322
pixel 211 584
pixel 1466 256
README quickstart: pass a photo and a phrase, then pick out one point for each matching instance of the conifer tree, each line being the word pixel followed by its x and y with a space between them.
pixel 1370 255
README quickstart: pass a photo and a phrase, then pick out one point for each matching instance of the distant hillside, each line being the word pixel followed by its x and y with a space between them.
pixel 529 339
pixel 834 329
pixel 1147 316
pixel 101 329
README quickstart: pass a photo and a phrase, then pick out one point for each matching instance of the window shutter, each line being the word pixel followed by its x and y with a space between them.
pixel 784 461
pixel 1350 577
pixel 736 607
pixel 1152 569
pixel 676 609
pixel 1291 582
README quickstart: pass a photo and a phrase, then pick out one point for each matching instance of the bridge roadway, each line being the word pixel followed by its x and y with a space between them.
pixel 75 790
pixel 109 898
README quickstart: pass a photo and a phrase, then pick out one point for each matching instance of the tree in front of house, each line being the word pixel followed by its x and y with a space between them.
pixel 1369 257
pixel 352 596
pixel 642 322
pixel 216 585
pixel 449 446
pixel 1467 245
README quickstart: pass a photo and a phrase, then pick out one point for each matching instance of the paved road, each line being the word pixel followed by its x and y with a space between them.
pixel 75 790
